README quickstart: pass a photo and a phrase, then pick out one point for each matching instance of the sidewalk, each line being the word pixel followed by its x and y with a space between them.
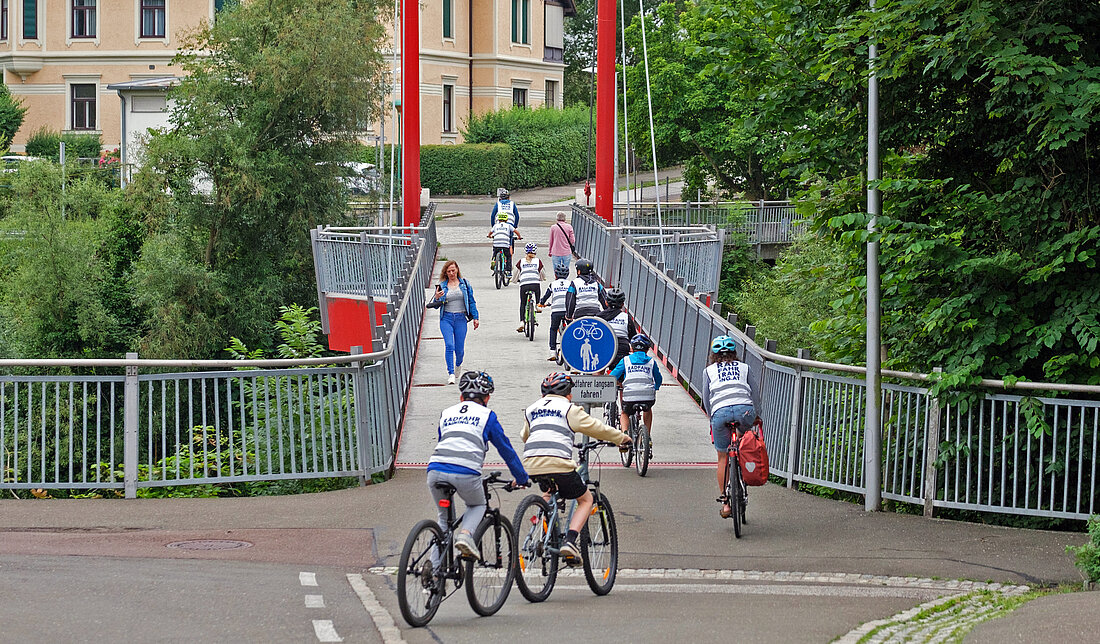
pixel 555 194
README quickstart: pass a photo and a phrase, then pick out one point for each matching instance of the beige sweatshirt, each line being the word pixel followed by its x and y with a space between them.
pixel 579 421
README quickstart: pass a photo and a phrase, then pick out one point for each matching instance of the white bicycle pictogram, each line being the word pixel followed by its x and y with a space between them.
pixel 582 330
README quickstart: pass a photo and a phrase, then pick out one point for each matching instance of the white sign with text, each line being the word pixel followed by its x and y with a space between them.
pixel 593 389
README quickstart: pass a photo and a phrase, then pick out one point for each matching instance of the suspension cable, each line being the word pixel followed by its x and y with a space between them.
pixel 393 107
pixel 652 136
pixel 626 113
pixel 591 92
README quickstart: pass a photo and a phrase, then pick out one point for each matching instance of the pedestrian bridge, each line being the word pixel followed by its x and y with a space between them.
pixel 366 413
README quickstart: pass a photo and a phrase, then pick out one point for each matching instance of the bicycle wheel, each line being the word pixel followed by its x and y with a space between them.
pixel 537 566
pixel 419 589
pixel 600 547
pixel 529 318
pixel 733 491
pixel 641 444
pixel 498 275
pixel 489 577
pixel 626 457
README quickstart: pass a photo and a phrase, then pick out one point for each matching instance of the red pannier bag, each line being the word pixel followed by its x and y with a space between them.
pixel 754 455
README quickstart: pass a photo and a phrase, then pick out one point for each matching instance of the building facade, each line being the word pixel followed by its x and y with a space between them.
pixel 59 57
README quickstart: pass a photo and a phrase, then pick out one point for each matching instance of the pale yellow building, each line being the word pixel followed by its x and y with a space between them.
pixel 59 56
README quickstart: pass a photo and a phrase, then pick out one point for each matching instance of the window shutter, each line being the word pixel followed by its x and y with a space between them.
pixel 30 19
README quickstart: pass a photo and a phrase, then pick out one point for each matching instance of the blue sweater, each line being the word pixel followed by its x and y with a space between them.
pixel 467 290
pixel 638 357
pixel 493 434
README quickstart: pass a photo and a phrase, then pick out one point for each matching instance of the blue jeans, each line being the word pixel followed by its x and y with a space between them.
pixel 560 261
pixel 720 430
pixel 453 327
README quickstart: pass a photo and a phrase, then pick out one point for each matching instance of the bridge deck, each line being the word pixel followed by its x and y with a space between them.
pixel 517 365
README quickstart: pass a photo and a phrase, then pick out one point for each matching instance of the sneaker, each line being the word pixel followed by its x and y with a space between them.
pixel 571 554
pixel 552 356
pixel 520 329
pixel 451 379
pixel 464 543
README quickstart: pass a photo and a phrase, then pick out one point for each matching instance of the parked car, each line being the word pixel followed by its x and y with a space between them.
pixel 359 178
pixel 11 162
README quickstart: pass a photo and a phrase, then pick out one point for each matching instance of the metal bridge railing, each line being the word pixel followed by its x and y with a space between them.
pixel 982 457
pixel 762 222
pixel 187 422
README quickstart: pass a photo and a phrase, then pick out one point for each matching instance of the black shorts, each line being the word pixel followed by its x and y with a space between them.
pixel 629 407
pixel 570 485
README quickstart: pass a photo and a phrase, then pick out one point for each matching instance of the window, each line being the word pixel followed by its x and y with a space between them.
pixel 3 19
pixel 152 18
pixel 30 19
pixel 521 11
pixel 149 104
pixel 448 107
pixel 519 97
pixel 83 103
pixel 448 19
pixel 83 18
pixel 551 93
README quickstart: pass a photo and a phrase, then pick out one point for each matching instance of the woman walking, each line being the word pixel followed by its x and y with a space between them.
pixel 454 297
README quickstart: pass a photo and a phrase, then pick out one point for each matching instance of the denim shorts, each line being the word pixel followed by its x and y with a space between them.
pixel 720 430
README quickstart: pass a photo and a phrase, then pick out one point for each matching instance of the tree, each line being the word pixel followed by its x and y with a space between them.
pixel 11 116
pixel 274 95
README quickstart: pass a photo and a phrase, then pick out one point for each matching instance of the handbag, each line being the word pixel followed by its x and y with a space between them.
pixel 572 248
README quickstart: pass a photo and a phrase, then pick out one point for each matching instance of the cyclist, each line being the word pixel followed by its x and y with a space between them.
pixel 548 428
pixel 727 398
pixel 620 323
pixel 585 295
pixel 465 431
pixel 502 235
pixel 555 294
pixel 505 206
pixel 640 379
pixel 529 275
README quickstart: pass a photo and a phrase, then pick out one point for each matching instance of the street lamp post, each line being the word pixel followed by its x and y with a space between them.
pixel 872 435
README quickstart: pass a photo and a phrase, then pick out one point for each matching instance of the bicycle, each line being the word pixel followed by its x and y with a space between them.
pixel 540 531
pixel 735 492
pixel 500 273
pixel 428 561
pixel 529 322
pixel 640 449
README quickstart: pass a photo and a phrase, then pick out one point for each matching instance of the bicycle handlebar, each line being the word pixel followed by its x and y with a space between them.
pixel 508 485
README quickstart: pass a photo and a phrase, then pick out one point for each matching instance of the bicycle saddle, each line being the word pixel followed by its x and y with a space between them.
pixel 447 488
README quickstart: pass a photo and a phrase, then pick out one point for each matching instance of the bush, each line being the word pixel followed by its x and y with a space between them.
pixel 1087 556
pixel 43 143
pixel 467 168
pixel 549 146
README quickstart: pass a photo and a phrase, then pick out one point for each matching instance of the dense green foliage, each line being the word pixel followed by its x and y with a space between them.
pixel 11 116
pixel 989 113
pixel 548 145
pixel 273 95
pixel 43 143
pixel 467 168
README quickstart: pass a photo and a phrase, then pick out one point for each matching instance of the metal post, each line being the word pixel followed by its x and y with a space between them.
pixel 410 108
pixel 130 403
pixel 322 302
pixel 614 257
pixel 931 452
pixel 368 286
pixel 872 433
pixel 61 152
pixel 606 12
pixel 362 421
pixel 795 438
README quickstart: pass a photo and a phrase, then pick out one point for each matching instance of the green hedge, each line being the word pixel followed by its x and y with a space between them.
pixel 465 169
pixel 549 146
pixel 43 143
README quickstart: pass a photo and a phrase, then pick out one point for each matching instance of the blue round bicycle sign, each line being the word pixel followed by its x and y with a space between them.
pixel 588 344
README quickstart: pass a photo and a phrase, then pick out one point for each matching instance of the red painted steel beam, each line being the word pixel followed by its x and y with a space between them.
pixel 410 110
pixel 605 108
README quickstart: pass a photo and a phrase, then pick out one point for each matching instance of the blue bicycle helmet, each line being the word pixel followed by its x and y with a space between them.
pixel 557 383
pixel 723 343
pixel 530 248
pixel 476 383
pixel 641 342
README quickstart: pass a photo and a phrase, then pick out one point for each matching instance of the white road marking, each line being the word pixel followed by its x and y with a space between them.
pixel 325 631
pixel 382 619
pixel 774 589
pixel 307 578
pixel 315 601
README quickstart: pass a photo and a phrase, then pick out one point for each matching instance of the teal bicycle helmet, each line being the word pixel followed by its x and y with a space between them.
pixel 723 343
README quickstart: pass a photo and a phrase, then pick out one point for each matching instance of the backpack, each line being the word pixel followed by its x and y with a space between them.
pixel 754 456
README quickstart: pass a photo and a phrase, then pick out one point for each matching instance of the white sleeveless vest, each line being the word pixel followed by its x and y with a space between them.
pixel 528 271
pixel 729 384
pixel 462 435
pixel 638 382
pixel 550 432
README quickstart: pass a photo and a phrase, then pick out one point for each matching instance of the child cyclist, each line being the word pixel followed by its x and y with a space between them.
pixel 529 274
pixel 501 234
pixel 727 398
pixel 548 450
pixel 555 294
pixel 640 379
pixel 620 323
pixel 465 431
pixel 585 296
